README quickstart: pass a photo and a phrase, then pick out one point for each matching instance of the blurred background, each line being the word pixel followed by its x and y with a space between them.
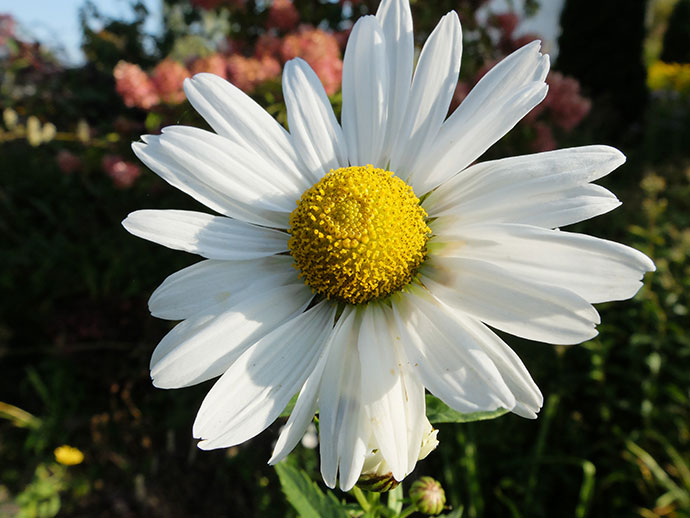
pixel 82 430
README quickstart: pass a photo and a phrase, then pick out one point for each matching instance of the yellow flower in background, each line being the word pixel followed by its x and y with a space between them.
pixel 68 455
pixel 669 76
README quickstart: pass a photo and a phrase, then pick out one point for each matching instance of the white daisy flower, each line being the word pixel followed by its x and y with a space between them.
pixel 361 296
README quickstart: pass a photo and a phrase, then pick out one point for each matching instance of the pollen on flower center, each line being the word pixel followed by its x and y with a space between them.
pixel 358 234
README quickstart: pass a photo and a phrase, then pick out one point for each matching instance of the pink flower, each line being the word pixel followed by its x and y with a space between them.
pixel 268 45
pixel 282 15
pixel 67 162
pixel 318 48
pixel 247 73
pixel 330 72
pixel 507 23
pixel 567 106
pixel 123 173
pixel 134 86
pixel 544 140
pixel 168 77
pixel 214 64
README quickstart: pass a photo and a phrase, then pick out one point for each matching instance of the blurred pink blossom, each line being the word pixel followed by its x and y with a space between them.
pixel 215 64
pixel 168 77
pixel 268 45
pixel 123 173
pixel 67 162
pixel 247 73
pixel 134 86
pixel 318 48
pixel 564 101
pixel 544 139
pixel 282 15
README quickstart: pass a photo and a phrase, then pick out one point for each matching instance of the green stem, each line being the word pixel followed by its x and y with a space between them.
pixel 407 512
pixel 359 495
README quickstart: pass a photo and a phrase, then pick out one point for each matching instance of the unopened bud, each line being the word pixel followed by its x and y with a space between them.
pixel 428 495
pixel 377 483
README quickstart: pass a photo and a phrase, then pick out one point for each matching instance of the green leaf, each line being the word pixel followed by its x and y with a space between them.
pixel 438 412
pixel 305 496
pixel 288 409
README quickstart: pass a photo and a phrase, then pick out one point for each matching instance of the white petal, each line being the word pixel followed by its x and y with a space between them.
pixel 208 283
pixel 382 388
pixel 315 131
pixel 202 172
pixel 365 86
pixel 596 269
pixel 244 174
pixel 544 189
pixel 303 412
pixel 213 237
pixel 435 80
pixel 448 359
pixel 528 397
pixel 505 301
pixel 395 19
pixel 236 116
pixel 343 434
pixel 500 99
pixel 205 345
pixel 256 388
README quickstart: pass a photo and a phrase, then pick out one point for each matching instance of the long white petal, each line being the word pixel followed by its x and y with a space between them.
pixel 236 116
pixel 315 131
pixel 209 283
pixel 196 163
pixel 382 388
pixel 241 173
pixel 596 269
pixel 213 237
pixel 448 359
pixel 528 397
pixel 548 189
pixel 365 85
pixel 203 189
pixel 500 99
pixel 435 79
pixel 303 412
pixel 256 388
pixel 395 18
pixel 343 433
pixel 205 345
pixel 505 301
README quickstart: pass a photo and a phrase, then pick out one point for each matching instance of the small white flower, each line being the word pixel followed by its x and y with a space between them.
pixel 400 294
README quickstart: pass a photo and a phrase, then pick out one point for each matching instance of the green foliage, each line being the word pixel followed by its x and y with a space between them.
pixel 305 496
pixel 438 412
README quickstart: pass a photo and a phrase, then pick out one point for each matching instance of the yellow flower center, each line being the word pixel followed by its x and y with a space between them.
pixel 358 234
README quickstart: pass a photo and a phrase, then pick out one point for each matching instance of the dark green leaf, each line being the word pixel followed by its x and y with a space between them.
pixel 438 412
pixel 305 496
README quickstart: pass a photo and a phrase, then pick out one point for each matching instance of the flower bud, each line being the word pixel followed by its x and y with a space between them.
pixel 377 483
pixel 428 495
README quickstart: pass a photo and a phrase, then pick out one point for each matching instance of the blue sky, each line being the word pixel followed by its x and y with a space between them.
pixel 55 22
